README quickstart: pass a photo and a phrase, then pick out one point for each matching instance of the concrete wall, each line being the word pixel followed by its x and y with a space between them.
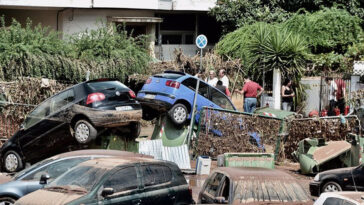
pixel 193 5
pixel 48 3
pixel 45 17
pixel 313 93
pixel 78 20
pixel 168 50
pixel 130 4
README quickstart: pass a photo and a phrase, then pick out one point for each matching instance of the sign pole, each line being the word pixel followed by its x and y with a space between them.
pixel 201 42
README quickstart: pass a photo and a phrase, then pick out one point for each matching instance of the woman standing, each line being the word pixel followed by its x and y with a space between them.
pixel 287 95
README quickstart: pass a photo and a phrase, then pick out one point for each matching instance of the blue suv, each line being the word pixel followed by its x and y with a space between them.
pixel 174 92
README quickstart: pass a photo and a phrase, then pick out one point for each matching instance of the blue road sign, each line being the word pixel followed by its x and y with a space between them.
pixel 201 41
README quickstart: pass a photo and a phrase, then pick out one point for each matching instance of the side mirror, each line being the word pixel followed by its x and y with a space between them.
pixel 22 127
pixel 44 179
pixel 107 192
pixel 220 200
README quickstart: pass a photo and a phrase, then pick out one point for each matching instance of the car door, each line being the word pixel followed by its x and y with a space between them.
pixel 203 94
pixel 358 175
pixel 211 188
pixel 126 185
pixel 157 184
pixel 220 100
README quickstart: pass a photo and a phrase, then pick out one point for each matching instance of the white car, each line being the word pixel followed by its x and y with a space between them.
pixel 341 198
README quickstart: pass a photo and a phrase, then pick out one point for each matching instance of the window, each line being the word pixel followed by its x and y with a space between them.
pixel 337 201
pixel 225 188
pixel 62 99
pixel 56 169
pixel 221 100
pixel 156 174
pixel 191 84
pixel 123 180
pixel 38 114
pixel 213 184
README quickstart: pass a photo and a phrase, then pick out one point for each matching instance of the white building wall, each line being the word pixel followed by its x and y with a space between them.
pixel 130 4
pixel 48 3
pixel 79 20
pixel 45 17
pixel 193 5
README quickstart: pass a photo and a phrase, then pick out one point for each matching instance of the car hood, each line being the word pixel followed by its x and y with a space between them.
pixel 45 197
pixel 338 171
pixel 5 177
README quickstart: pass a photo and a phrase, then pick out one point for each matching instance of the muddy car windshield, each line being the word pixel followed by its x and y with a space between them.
pixel 33 167
pixel 106 85
pixel 274 190
pixel 82 176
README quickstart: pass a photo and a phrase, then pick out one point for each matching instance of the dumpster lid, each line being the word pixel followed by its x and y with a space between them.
pixel 330 151
pixel 280 114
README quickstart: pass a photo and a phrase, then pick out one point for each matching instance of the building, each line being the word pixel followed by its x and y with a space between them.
pixel 170 24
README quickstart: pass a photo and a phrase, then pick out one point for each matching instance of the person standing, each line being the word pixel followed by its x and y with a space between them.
pixel 250 93
pixel 222 88
pixel 211 79
pixel 340 94
pixel 332 95
pixel 287 95
pixel 223 78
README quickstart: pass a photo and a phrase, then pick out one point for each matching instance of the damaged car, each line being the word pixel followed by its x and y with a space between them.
pixel 251 185
pixel 116 181
pixel 28 180
pixel 71 118
pixel 343 179
pixel 174 92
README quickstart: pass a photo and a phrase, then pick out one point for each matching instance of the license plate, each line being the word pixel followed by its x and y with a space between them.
pixel 124 108
pixel 149 96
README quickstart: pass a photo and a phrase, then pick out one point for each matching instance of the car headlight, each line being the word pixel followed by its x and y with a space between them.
pixel 317 178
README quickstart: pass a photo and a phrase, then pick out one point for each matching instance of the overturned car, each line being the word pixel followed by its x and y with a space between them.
pixel 71 118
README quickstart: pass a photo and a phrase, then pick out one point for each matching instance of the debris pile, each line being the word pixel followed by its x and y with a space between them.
pixel 331 129
pixel 21 96
pixel 223 132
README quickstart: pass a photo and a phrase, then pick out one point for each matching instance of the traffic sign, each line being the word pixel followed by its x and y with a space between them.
pixel 201 41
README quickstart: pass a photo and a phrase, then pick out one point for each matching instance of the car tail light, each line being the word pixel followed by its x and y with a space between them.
pixel 173 84
pixel 148 81
pixel 94 97
pixel 132 94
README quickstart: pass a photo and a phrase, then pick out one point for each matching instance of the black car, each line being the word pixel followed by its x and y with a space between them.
pixel 28 180
pixel 116 181
pixel 344 179
pixel 72 117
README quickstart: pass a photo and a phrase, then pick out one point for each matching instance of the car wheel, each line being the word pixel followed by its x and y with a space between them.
pixel 178 113
pixel 7 201
pixel 134 129
pixel 12 161
pixel 84 132
pixel 331 187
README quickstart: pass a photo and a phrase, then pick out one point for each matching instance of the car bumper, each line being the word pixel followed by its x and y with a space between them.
pixel 160 101
pixel 315 188
pixel 109 118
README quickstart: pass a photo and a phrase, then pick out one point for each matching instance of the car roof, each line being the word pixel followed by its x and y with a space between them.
pixel 90 152
pixel 237 173
pixel 355 196
pixel 112 162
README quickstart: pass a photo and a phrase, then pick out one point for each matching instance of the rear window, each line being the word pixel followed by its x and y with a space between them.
pixel 274 190
pixel 106 85
pixel 172 76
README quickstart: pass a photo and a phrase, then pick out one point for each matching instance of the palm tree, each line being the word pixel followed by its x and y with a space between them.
pixel 276 49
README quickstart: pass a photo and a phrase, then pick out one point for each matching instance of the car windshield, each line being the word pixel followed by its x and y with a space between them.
pixel 33 167
pixel 106 85
pixel 82 176
pixel 274 190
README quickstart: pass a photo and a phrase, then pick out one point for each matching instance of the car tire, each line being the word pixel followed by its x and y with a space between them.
pixel 178 114
pixel 134 129
pixel 7 200
pixel 331 187
pixel 12 161
pixel 84 132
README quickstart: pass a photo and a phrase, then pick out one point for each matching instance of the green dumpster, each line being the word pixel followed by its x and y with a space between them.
pixel 262 160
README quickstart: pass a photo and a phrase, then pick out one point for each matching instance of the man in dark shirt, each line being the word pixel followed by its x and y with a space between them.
pixel 250 94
